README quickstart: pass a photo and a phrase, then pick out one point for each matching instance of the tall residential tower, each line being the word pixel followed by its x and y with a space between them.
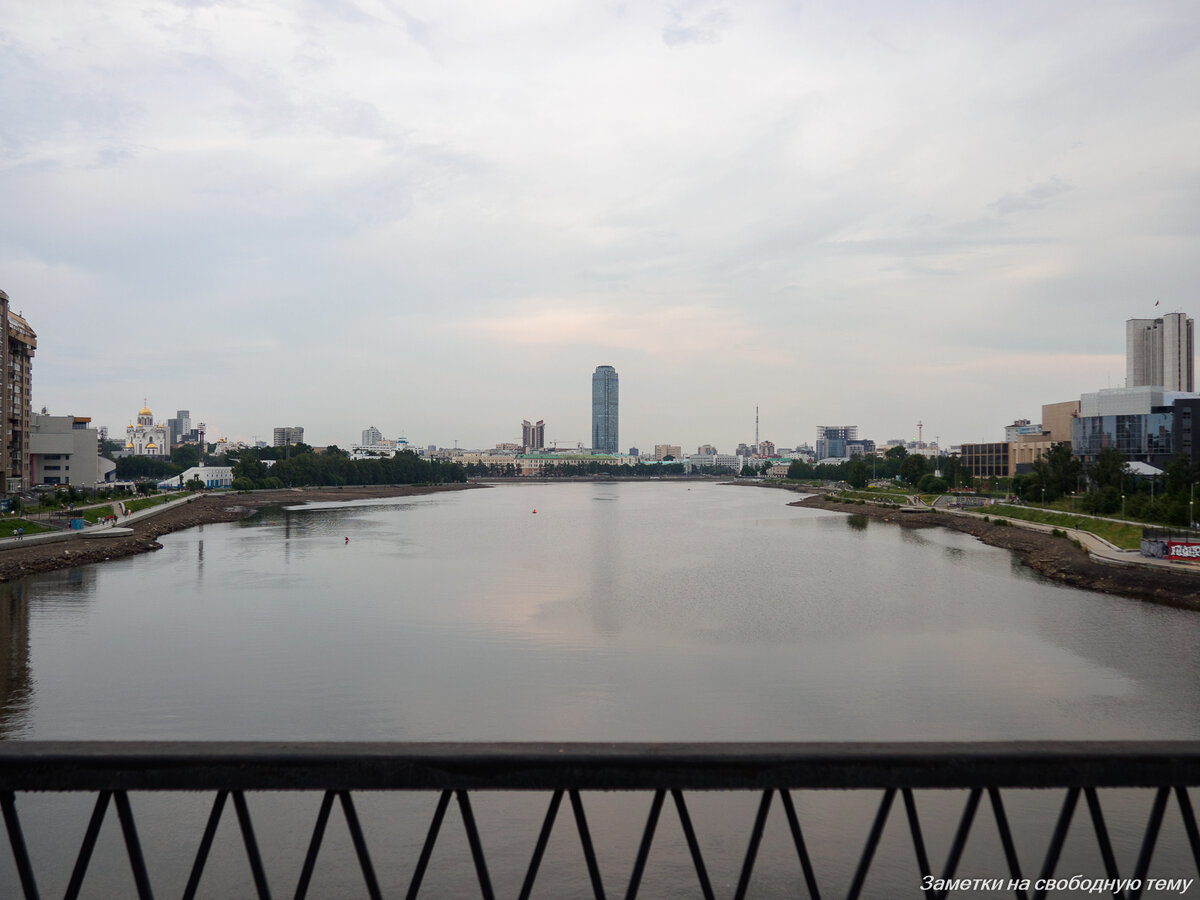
pixel 1160 352
pixel 604 410
pixel 16 371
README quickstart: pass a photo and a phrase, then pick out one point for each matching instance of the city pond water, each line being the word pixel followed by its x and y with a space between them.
pixel 655 611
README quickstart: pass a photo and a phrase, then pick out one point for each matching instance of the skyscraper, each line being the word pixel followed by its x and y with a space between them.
pixel 533 437
pixel 1160 352
pixel 604 409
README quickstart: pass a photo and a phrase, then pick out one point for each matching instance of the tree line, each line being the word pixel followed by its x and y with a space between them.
pixel 334 467
pixel 912 469
pixel 1103 487
pixel 591 468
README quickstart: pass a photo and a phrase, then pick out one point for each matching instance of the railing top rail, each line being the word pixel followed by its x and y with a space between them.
pixel 196 765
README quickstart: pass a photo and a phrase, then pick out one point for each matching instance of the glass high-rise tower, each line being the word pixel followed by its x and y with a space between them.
pixel 604 409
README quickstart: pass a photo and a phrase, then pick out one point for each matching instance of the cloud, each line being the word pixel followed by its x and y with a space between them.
pixel 683 334
pixel 697 22
pixel 818 199
pixel 1034 197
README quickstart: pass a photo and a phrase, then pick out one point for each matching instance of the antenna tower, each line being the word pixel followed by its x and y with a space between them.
pixel 920 440
pixel 756 429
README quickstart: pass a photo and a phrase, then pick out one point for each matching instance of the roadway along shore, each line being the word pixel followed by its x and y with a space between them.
pixel 31 558
pixel 1054 557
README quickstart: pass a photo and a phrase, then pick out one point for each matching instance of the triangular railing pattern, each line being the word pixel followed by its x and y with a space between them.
pixel 936 883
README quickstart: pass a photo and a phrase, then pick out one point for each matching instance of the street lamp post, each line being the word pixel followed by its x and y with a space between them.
pixel 1122 506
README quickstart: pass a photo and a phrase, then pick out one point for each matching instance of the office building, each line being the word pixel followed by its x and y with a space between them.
pixel 533 437
pixel 832 440
pixel 1145 423
pixel 179 428
pixel 604 409
pixel 1160 352
pixel 662 451
pixel 287 436
pixel 989 460
pixel 16 396
pixel 372 435
pixel 64 450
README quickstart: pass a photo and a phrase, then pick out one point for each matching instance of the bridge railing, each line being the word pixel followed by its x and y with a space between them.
pixel 454 773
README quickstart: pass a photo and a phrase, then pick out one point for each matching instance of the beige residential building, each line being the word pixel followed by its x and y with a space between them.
pixel 662 451
pixel 16 397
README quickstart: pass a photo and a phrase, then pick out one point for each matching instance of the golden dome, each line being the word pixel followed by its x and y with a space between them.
pixel 128 445
pixel 145 410
pixel 152 446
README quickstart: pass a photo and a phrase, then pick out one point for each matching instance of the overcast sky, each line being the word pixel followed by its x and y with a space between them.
pixel 439 217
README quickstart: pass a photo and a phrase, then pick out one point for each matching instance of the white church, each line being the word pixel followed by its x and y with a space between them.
pixel 145 438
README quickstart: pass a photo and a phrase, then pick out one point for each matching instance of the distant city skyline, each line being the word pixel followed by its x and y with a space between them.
pixel 439 218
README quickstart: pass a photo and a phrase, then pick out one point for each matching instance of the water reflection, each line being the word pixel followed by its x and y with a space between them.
pixel 857 522
pixel 16 678
pixel 605 589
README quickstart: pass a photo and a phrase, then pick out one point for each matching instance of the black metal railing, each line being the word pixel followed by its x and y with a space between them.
pixel 456 772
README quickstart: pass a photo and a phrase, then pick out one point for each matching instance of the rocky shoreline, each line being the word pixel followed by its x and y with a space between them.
pixel 33 558
pixel 1055 558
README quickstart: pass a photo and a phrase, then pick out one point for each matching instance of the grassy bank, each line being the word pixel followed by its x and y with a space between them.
pixel 1125 535
pixel 9 526
pixel 147 502
pixel 94 514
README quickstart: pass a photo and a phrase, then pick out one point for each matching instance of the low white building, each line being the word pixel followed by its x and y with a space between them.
pixel 211 476
pixel 716 460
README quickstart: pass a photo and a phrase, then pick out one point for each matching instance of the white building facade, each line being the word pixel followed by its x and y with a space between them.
pixel 210 476
pixel 1160 352
pixel 63 450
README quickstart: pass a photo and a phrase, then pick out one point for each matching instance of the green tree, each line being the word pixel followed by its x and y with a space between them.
pixel 185 456
pixel 799 469
pixel 912 467
pixel 1181 475
pixel 1057 471
pixel 856 473
pixel 931 484
pixel 248 465
pixel 1108 471
pixel 130 468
